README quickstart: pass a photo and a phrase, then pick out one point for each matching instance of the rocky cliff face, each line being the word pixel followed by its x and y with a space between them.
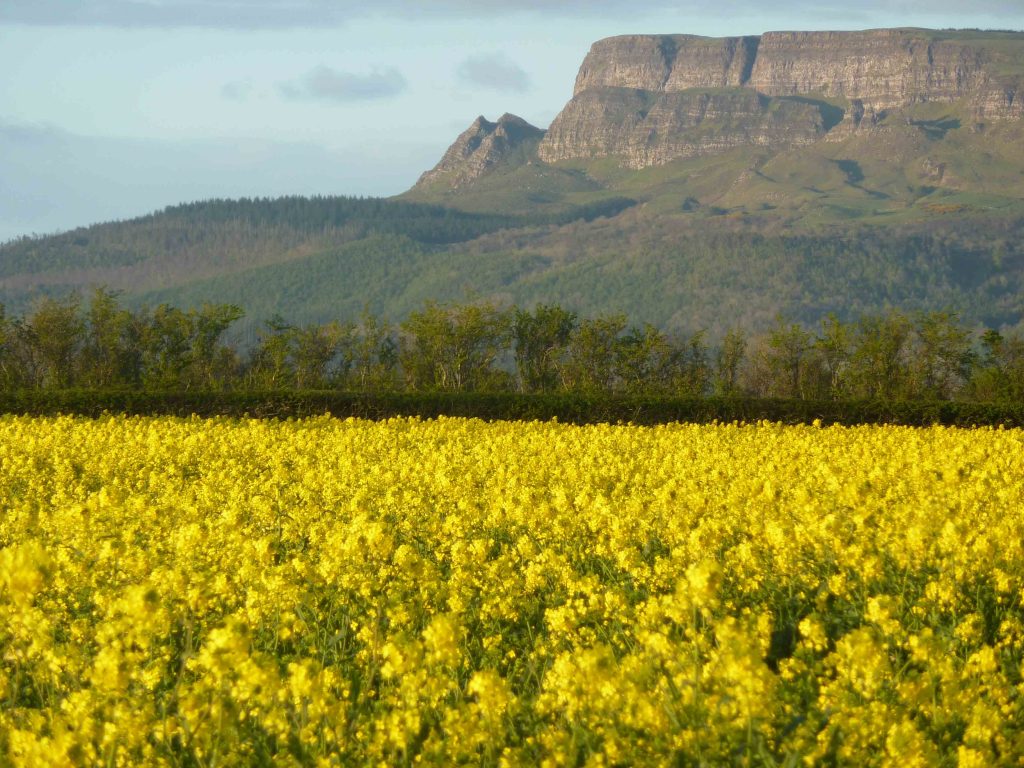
pixel 644 129
pixel 887 69
pixel 667 63
pixel 481 147
pixel 652 99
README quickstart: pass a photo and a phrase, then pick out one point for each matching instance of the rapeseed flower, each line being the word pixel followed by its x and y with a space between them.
pixel 326 592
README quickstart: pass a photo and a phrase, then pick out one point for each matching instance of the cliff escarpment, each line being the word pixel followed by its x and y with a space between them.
pixel 893 68
pixel 650 99
pixel 667 62
pixel 645 129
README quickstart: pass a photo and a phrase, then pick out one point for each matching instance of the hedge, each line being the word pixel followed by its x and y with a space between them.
pixel 569 408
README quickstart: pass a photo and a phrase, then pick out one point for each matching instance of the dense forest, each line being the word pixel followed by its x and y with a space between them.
pixel 98 343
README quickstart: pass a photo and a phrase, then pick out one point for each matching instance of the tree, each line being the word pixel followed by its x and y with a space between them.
pixel 941 358
pixel 213 363
pixel 111 355
pixel 651 362
pixel 878 358
pixel 49 341
pixel 694 370
pixel 786 354
pixel 645 361
pixel 186 350
pixel 270 364
pixel 9 371
pixel 322 354
pixel 166 347
pixel 833 347
pixel 728 360
pixel 374 354
pixel 590 365
pixel 999 373
pixel 454 348
pixel 540 341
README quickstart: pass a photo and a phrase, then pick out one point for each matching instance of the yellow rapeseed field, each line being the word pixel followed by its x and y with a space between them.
pixel 190 592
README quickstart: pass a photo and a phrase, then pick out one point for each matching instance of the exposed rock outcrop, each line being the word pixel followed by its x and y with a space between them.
pixel 651 99
pixel 886 69
pixel 667 62
pixel 481 147
pixel 646 129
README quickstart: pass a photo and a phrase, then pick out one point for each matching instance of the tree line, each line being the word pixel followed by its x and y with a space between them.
pixel 481 346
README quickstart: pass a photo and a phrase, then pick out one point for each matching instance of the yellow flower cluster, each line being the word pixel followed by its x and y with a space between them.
pixel 187 592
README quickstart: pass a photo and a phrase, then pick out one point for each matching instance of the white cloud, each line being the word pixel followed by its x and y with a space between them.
pixel 326 84
pixel 495 71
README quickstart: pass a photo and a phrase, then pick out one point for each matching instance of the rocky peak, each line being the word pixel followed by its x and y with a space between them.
pixel 482 147
pixel 513 125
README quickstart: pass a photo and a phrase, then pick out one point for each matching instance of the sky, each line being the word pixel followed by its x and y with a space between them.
pixel 114 108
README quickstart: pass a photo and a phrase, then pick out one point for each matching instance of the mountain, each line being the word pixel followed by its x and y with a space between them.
pixel 689 182
pixel 819 126
pixel 651 100
pixel 483 146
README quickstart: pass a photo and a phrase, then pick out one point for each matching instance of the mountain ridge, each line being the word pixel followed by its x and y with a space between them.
pixel 651 99
pixel 888 124
pixel 700 202
pixel 878 66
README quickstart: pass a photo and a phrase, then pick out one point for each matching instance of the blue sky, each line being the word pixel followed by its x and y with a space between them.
pixel 114 108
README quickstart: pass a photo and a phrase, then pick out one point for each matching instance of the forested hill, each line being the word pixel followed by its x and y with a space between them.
pixel 218 234
pixel 179 245
pixel 320 259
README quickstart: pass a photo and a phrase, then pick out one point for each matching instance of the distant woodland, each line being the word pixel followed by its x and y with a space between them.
pixel 98 343
pixel 235 231
pixel 312 260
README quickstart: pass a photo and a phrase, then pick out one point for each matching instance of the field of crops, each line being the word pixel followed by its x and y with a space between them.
pixel 323 592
